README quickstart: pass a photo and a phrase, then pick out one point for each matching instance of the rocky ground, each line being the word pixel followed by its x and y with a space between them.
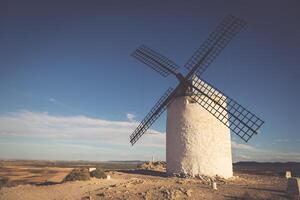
pixel 150 182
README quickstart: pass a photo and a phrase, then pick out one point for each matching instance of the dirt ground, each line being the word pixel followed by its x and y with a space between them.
pixel 145 184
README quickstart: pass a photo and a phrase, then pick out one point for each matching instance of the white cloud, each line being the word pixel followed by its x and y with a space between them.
pixel 130 117
pixel 267 156
pixel 282 140
pixel 240 146
pixel 55 101
pixel 93 138
pixel 245 152
pixel 44 125
pixel 52 100
pixel 64 106
pixel 244 157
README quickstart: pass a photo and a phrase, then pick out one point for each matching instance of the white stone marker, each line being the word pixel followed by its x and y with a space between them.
pixel 288 174
pixel 108 177
pixel 214 185
pixel 197 142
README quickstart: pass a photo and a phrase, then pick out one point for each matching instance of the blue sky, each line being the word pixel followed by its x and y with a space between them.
pixel 70 89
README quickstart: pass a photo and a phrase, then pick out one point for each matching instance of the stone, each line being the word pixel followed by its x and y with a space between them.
pixel 165 191
pixel 214 185
pixel 108 177
pixel 175 194
pixel 189 192
pixel 136 181
pixel 92 169
pixel 102 194
pixel 142 193
pixel 293 188
pixel 86 198
pixel 182 190
pixel 162 188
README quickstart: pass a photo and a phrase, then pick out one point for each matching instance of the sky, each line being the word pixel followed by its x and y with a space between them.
pixel 69 89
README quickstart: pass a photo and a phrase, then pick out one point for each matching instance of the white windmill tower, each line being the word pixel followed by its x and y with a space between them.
pixel 199 116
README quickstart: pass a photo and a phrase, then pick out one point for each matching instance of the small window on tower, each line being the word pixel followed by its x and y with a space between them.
pixel 191 101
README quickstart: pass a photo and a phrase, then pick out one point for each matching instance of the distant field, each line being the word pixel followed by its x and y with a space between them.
pixel 272 169
pixel 37 172
pixel 252 181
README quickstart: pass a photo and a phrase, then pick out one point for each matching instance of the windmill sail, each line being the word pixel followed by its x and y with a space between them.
pixel 214 44
pixel 241 121
pixel 237 118
pixel 152 116
pixel 157 62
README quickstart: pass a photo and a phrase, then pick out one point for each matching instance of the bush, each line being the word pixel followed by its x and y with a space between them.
pixel 3 181
pixel 98 173
pixel 81 174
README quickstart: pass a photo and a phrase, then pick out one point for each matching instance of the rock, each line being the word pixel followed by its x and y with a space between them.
pixel 210 179
pixel 189 192
pixel 92 169
pixel 102 194
pixel 184 175
pixel 158 165
pixel 142 194
pixel 180 182
pixel 86 198
pixel 162 188
pixel 176 194
pixel 166 191
pixel 136 181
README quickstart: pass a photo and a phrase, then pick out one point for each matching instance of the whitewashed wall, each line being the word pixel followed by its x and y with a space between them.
pixel 197 143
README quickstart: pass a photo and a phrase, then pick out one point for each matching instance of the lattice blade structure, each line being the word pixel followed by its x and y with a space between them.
pixel 156 61
pixel 214 44
pixel 152 116
pixel 240 120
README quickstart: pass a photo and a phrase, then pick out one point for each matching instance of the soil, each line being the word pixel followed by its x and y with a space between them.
pixel 147 183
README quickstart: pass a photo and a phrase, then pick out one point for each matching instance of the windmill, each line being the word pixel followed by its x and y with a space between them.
pixel 199 116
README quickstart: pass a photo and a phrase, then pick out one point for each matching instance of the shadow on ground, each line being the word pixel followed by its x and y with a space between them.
pixel 46 183
pixel 145 172
pixel 267 189
pixel 247 196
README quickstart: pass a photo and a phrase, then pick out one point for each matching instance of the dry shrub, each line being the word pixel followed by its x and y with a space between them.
pixel 3 181
pixel 98 173
pixel 79 174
